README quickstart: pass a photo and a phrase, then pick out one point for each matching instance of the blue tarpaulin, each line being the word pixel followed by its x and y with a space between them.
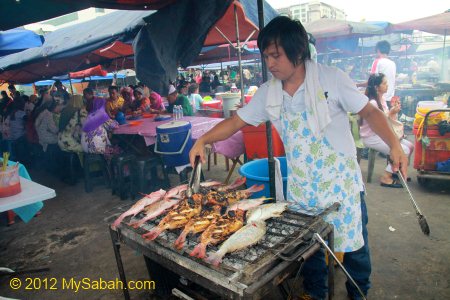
pixel 16 40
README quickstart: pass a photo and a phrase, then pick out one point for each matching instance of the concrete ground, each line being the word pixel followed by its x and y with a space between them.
pixel 71 238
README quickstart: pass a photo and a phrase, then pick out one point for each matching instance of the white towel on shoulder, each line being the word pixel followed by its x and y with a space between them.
pixel 315 100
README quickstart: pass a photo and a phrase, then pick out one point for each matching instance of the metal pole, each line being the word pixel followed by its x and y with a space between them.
pixel 444 71
pixel 241 77
pixel 271 161
pixel 71 87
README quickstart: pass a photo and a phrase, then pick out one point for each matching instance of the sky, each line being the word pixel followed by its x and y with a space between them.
pixel 394 11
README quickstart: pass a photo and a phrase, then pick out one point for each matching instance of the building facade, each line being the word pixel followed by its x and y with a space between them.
pixel 311 11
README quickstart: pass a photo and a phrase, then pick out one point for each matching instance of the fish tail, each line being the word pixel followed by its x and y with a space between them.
pixel 255 188
pixel 153 234
pixel 199 251
pixel 214 259
pixel 179 243
pixel 238 182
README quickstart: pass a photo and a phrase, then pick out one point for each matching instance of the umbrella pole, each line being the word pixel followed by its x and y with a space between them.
pixel 71 87
pixel 241 77
pixel 444 71
pixel 271 161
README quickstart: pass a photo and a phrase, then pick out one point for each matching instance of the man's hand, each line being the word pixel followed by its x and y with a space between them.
pixel 197 150
pixel 399 161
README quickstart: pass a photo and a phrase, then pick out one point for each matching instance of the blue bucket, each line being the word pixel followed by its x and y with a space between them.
pixel 173 142
pixel 257 172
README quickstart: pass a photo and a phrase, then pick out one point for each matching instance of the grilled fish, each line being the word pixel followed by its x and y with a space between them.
pixel 230 197
pixel 247 204
pixel 218 231
pixel 139 206
pixel 246 236
pixel 267 211
pixel 154 210
pixel 198 224
pixel 177 218
pixel 237 183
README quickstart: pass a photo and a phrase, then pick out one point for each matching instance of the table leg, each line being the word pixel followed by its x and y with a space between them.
pixel 116 247
pixel 235 162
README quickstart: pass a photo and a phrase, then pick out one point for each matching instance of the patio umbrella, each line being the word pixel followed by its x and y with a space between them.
pixel 16 40
pixel 332 28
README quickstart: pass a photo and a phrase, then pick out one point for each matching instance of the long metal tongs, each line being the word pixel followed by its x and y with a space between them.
pixel 421 218
pixel 194 180
pixel 318 238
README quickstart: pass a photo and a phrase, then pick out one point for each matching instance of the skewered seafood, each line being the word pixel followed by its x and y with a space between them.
pixel 218 231
pixel 267 211
pixel 139 206
pixel 198 224
pixel 246 236
pixel 177 218
pixel 230 197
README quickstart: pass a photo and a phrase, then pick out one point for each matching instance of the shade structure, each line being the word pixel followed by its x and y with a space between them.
pixel 437 24
pixel 95 71
pixel 17 13
pixel 77 47
pixel 332 28
pixel 193 24
pixel 16 40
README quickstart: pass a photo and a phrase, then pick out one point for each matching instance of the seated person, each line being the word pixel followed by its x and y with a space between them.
pixel 72 118
pixel 114 103
pixel 94 136
pixel 141 103
pixel 156 103
pixel 377 86
pixel 175 98
pixel 194 97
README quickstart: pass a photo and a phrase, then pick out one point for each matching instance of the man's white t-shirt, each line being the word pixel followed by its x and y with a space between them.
pixel 388 68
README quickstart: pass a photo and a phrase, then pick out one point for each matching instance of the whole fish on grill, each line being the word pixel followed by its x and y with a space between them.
pixel 218 231
pixel 267 211
pixel 198 224
pixel 228 198
pixel 139 206
pixel 177 217
pixel 237 183
pixel 247 204
pixel 171 198
pixel 245 237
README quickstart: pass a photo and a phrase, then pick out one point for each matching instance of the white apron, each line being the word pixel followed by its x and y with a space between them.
pixel 318 176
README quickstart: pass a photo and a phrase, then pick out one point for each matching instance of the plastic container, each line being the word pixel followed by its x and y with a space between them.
pixel 214 105
pixel 173 142
pixel 257 172
pixel 10 182
pixel 437 151
pixel 229 102
pixel 255 141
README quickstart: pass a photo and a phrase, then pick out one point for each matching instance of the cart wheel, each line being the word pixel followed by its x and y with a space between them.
pixel 423 181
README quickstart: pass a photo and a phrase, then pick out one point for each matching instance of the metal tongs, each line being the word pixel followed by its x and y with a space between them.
pixel 194 180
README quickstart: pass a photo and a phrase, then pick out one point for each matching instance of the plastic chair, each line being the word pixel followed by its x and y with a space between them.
pixel 121 180
pixel 144 175
pixel 94 163
pixel 71 163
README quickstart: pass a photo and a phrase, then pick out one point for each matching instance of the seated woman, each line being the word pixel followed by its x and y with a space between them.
pixel 70 123
pixel 156 103
pixel 377 86
pixel 142 103
pixel 194 97
pixel 94 137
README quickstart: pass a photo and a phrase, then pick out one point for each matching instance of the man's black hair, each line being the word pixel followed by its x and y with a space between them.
pixel 383 46
pixel 88 90
pixel 289 34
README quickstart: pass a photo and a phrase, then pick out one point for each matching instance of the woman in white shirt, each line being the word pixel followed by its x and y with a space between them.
pixel 377 85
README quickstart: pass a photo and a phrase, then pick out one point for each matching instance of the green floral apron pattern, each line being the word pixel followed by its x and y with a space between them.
pixel 318 176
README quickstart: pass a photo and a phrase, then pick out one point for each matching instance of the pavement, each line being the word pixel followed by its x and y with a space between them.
pixel 71 238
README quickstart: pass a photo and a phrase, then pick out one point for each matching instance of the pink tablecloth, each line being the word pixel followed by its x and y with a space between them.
pixel 231 147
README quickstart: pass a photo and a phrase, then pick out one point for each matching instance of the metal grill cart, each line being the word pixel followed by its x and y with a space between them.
pixel 251 273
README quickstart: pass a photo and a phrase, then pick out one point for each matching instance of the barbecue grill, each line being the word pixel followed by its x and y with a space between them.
pixel 247 274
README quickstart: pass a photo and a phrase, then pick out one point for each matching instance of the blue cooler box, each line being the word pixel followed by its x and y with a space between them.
pixel 173 142
pixel 257 172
